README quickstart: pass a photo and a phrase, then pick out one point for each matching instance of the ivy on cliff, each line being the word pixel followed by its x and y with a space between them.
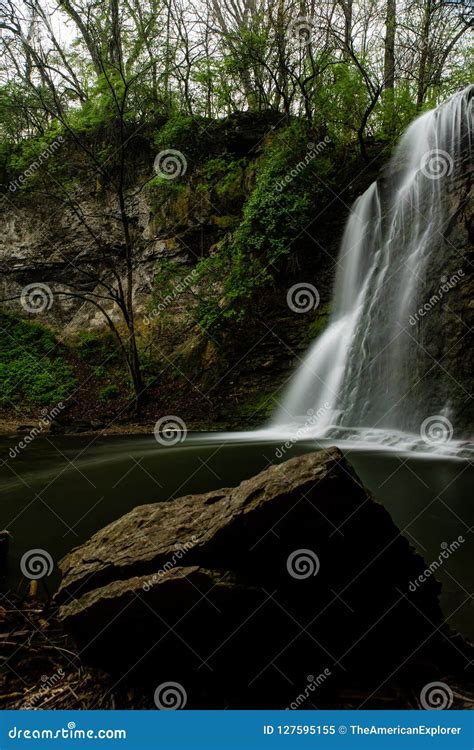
pixel 274 217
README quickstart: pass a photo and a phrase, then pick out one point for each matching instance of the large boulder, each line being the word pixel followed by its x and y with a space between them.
pixel 240 594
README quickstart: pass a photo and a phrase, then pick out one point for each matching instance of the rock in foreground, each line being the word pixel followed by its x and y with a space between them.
pixel 244 595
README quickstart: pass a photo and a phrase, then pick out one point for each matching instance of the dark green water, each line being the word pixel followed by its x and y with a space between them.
pixel 60 490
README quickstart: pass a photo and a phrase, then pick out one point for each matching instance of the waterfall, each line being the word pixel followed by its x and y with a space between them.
pixel 371 370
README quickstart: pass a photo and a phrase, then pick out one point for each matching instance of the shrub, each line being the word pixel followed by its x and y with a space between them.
pixel 32 365
pixel 109 393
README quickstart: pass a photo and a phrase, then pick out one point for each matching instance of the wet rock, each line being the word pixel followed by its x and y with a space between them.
pixel 240 593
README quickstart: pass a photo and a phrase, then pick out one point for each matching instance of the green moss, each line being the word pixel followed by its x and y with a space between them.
pixel 95 348
pixel 229 187
pixel 199 359
pixel 225 222
pixel 192 136
pixel 224 176
pixel 318 325
pixel 160 192
pixel 259 405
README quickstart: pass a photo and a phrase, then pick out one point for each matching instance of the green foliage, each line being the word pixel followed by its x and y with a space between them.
pixel 340 103
pixel 36 159
pixel 99 111
pixel 190 135
pixel 97 348
pixel 215 169
pixel 229 186
pixel 109 393
pixel 32 367
pixel 159 191
pixel 273 217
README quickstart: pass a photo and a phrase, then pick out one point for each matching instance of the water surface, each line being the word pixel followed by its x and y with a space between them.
pixel 60 490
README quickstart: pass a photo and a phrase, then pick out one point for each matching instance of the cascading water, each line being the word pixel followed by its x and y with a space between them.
pixel 372 372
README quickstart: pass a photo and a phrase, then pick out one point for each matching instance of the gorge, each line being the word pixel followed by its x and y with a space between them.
pixel 386 378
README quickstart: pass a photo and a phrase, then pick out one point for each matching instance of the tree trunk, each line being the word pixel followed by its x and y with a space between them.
pixel 422 69
pixel 389 65
pixel 347 8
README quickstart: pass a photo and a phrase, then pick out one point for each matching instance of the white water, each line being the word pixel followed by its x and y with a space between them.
pixel 368 376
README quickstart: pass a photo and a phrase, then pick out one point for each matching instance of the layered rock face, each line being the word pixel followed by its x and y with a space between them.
pixel 238 595
pixel 70 244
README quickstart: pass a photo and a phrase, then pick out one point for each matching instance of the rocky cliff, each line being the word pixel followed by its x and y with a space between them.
pixel 175 224
pixel 233 376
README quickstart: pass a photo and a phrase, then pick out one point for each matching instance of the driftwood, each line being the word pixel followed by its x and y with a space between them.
pixel 41 666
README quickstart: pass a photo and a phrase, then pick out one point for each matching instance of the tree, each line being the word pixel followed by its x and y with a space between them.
pixel 389 63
